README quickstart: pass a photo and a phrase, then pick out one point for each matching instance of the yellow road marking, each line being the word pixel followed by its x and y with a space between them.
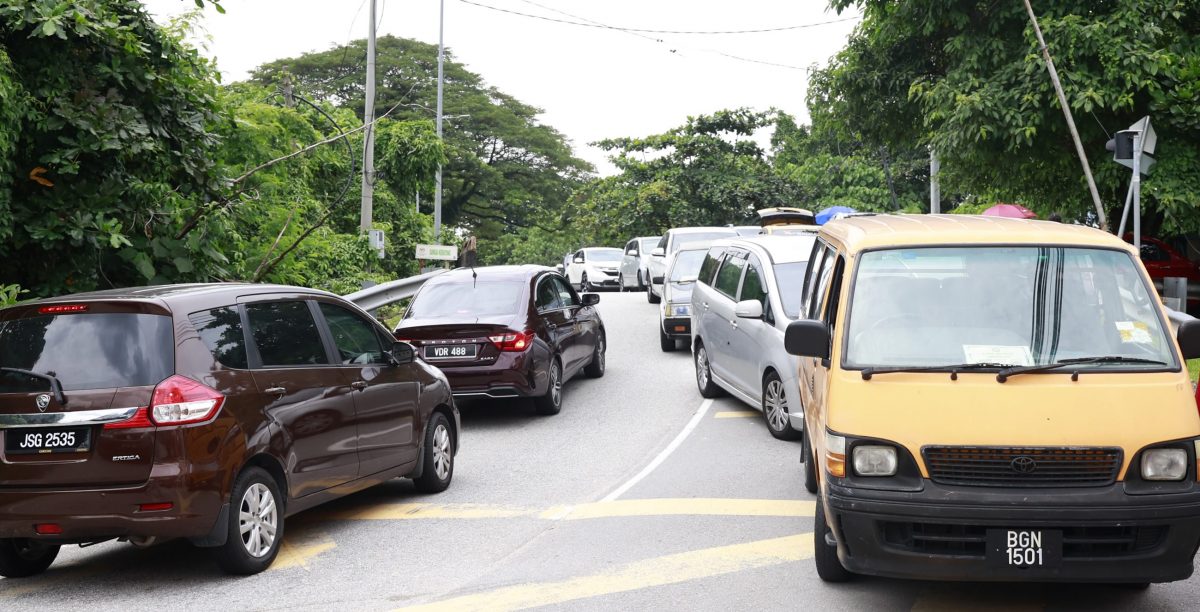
pixel 297 554
pixel 432 511
pixel 659 571
pixel 619 508
pixel 735 414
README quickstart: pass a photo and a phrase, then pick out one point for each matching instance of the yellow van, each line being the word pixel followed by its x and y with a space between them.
pixel 994 399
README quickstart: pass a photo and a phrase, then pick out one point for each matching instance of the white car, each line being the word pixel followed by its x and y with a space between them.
pixel 672 241
pixel 747 292
pixel 635 271
pixel 675 316
pixel 594 267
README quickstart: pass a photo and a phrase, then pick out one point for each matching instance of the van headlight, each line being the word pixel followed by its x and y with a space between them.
pixel 874 460
pixel 680 310
pixel 1164 464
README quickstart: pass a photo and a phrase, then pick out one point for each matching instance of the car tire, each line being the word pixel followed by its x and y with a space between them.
pixel 620 283
pixel 704 381
pixel 438 456
pixel 584 285
pixel 22 557
pixel 595 369
pixel 665 342
pixel 255 494
pixel 829 567
pixel 551 403
pixel 650 297
pixel 775 408
pixel 810 466
pixel 640 286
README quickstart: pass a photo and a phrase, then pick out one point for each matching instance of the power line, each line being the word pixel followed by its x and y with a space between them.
pixel 654 31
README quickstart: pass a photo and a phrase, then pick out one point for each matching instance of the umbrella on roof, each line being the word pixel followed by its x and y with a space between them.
pixel 1012 211
pixel 831 213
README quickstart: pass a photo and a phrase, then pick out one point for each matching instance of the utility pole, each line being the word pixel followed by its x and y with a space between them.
pixel 437 194
pixel 368 176
pixel 1066 108
pixel 935 188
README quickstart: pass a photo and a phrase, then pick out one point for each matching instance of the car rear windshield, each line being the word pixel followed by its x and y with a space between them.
pixel 687 266
pixel 471 299
pixel 86 351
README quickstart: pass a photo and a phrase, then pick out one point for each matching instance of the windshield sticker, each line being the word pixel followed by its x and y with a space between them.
pixel 1135 332
pixel 998 353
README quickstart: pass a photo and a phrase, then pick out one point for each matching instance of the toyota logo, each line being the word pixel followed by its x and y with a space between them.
pixel 1023 465
pixel 43 402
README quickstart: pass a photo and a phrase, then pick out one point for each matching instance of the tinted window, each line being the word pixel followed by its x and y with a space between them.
pixel 547 294
pixel 729 275
pixel 355 338
pixel 1153 252
pixel 221 331
pixel 753 287
pixel 285 334
pixel 820 284
pixel 87 351
pixel 790 277
pixel 467 298
pixel 566 297
pixel 632 245
pixel 709 267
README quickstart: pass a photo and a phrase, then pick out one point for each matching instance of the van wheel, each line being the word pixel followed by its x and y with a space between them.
pixel 595 369
pixel 829 567
pixel 551 402
pixel 438 456
pixel 665 342
pixel 810 466
pixel 704 380
pixel 22 557
pixel 255 524
pixel 775 408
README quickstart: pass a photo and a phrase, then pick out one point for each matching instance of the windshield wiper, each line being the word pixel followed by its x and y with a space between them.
pixel 1004 374
pixel 55 385
pixel 867 373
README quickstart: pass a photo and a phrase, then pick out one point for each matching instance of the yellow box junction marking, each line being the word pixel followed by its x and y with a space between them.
pixel 658 571
pixel 736 414
pixel 619 508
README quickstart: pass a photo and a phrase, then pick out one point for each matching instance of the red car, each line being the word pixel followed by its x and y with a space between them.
pixel 1162 261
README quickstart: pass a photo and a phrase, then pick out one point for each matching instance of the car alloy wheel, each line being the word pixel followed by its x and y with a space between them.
pixel 702 367
pixel 441 451
pixel 258 520
pixel 555 383
pixel 776 404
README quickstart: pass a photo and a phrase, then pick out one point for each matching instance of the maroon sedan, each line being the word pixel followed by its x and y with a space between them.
pixel 506 331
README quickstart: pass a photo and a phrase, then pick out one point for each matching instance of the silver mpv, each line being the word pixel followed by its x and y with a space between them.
pixel 747 292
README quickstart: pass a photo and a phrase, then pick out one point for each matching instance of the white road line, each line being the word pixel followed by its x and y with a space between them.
pixel 666 452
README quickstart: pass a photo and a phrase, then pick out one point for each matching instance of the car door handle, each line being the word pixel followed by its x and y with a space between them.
pixel 280 391
pixel 733 324
pixel 358 385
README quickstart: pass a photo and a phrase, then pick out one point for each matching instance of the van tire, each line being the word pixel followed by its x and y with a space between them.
pixel 704 380
pixel 439 445
pixel 810 466
pixel 233 557
pixel 829 567
pixel 22 557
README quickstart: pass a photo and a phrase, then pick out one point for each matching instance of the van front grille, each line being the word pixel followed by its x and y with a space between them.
pixel 1079 542
pixel 990 466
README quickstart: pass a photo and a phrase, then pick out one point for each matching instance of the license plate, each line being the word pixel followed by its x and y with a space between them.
pixel 43 441
pixel 1024 548
pixel 454 351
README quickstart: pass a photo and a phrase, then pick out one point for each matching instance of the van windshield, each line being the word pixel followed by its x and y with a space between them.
pixel 1012 305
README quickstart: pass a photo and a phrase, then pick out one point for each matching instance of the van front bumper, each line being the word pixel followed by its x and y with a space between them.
pixel 940 532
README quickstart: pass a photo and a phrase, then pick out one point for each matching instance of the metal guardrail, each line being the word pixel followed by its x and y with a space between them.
pixel 390 292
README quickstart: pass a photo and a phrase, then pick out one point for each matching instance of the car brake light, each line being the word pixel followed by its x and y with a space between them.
pixel 48 529
pixel 139 420
pixel 63 308
pixel 512 341
pixel 179 401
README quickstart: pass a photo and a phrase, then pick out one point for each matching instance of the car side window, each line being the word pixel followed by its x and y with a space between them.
pixel 707 269
pixel 821 284
pixel 835 292
pixel 1153 252
pixel 810 273
pixel 221 331
pixel 547 295
pixel 285 334
pixel 355 339
pixel 753 287
pixel 662 243
pixel 632 246
pixel 729 274
pixel 566 296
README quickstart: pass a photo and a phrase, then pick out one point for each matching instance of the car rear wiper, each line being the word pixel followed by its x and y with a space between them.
pixel 867 373
pixel 1004 374
pixel 55 385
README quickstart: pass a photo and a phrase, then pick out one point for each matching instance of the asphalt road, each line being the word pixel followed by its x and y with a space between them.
pixel 638 495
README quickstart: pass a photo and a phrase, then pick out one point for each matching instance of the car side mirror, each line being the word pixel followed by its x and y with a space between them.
pixel 748 309
pixel 657 280
pixel 807 338
pixel 577 260
pixel 632 252
pixel 589 299
pixel 402 353
pixel 658 252
pixel 1189 338
pixel 559 267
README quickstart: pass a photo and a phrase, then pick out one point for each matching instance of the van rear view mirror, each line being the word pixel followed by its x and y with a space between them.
pixel 807 338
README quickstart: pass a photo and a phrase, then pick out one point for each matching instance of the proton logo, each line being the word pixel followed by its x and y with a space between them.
pixel 1023 465
pixel 43 402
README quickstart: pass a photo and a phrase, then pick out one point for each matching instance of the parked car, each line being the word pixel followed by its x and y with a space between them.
pixel 595 267
pixel 672 241
pixel 1163 262
pixel 748 230
pixel 675 316
pixel 774 219
pixel 994 399
pixel 507 331
pixel 746 294
pixel 207 412
pixel 635 272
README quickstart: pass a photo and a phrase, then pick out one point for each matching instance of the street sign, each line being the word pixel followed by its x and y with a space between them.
pixel 445 252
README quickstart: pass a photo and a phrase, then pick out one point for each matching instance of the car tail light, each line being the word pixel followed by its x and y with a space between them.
pixel 140 420
pixel 512 341
pixel 179 401
pixel 48 529
pixel 63 308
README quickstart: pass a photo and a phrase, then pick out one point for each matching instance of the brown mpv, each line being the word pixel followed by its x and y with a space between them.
pixel 208 412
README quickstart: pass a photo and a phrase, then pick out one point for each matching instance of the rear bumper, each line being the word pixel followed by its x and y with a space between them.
pixel 940 533
pixel 672 327
pixel 510 375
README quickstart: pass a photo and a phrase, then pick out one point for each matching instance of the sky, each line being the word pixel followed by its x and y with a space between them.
pixel 592 83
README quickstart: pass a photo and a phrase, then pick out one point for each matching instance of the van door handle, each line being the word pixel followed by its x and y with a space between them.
pixel 280 391
pixel 358 385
